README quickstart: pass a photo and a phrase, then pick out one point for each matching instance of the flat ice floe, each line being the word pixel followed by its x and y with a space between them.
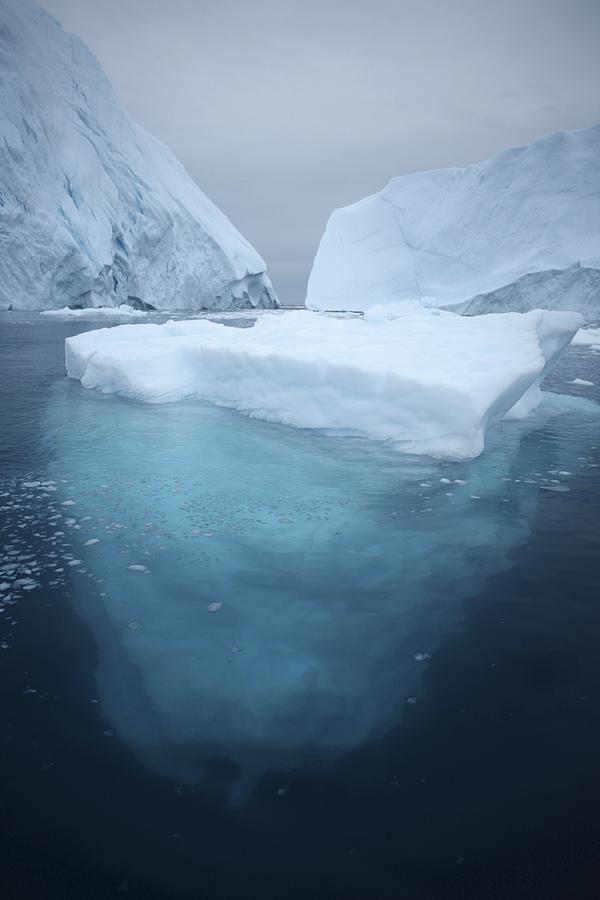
pixel 97 312
pixel 429 383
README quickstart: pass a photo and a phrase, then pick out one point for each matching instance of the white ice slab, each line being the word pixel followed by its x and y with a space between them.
pixel 97 312
pixel 427 383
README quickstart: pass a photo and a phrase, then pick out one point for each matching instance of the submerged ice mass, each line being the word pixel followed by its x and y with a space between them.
pixel 93 210
pixel 427 383
pixel 517 232
pixel 259 594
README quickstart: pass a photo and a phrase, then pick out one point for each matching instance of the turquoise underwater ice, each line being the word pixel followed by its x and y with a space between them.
pixel 268 593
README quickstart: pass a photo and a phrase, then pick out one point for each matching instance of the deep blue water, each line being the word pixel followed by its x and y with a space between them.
pixel 398 696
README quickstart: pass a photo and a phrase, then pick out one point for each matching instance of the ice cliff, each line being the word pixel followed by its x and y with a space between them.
pixel 517 232
pixel 93 210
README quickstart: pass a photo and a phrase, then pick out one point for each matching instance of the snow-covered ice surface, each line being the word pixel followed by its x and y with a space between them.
pixel 517 232
pixel 93 210
pixel 261 593
pixel 429 382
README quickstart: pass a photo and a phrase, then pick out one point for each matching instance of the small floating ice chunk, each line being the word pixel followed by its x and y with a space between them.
pixel 214 607
pixel 422 656
pixel 92 541
pixel 137 567
pixel 582 382
pixel 68 503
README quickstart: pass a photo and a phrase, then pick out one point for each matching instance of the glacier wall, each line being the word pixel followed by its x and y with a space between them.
pixel 514 233
pixel 93 210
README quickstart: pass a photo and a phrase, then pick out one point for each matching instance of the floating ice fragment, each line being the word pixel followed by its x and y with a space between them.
pixel 91 541
pixel 214 607
pixel 136 567
pixel 421 657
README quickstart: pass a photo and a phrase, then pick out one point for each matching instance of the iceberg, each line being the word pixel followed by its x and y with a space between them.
pixel 426 383
pixel 94 211
pixel 517 232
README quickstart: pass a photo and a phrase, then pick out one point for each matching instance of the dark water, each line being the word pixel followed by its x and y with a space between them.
pixel 143 756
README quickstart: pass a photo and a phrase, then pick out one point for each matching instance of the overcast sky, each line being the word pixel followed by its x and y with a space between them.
pixel 283 110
